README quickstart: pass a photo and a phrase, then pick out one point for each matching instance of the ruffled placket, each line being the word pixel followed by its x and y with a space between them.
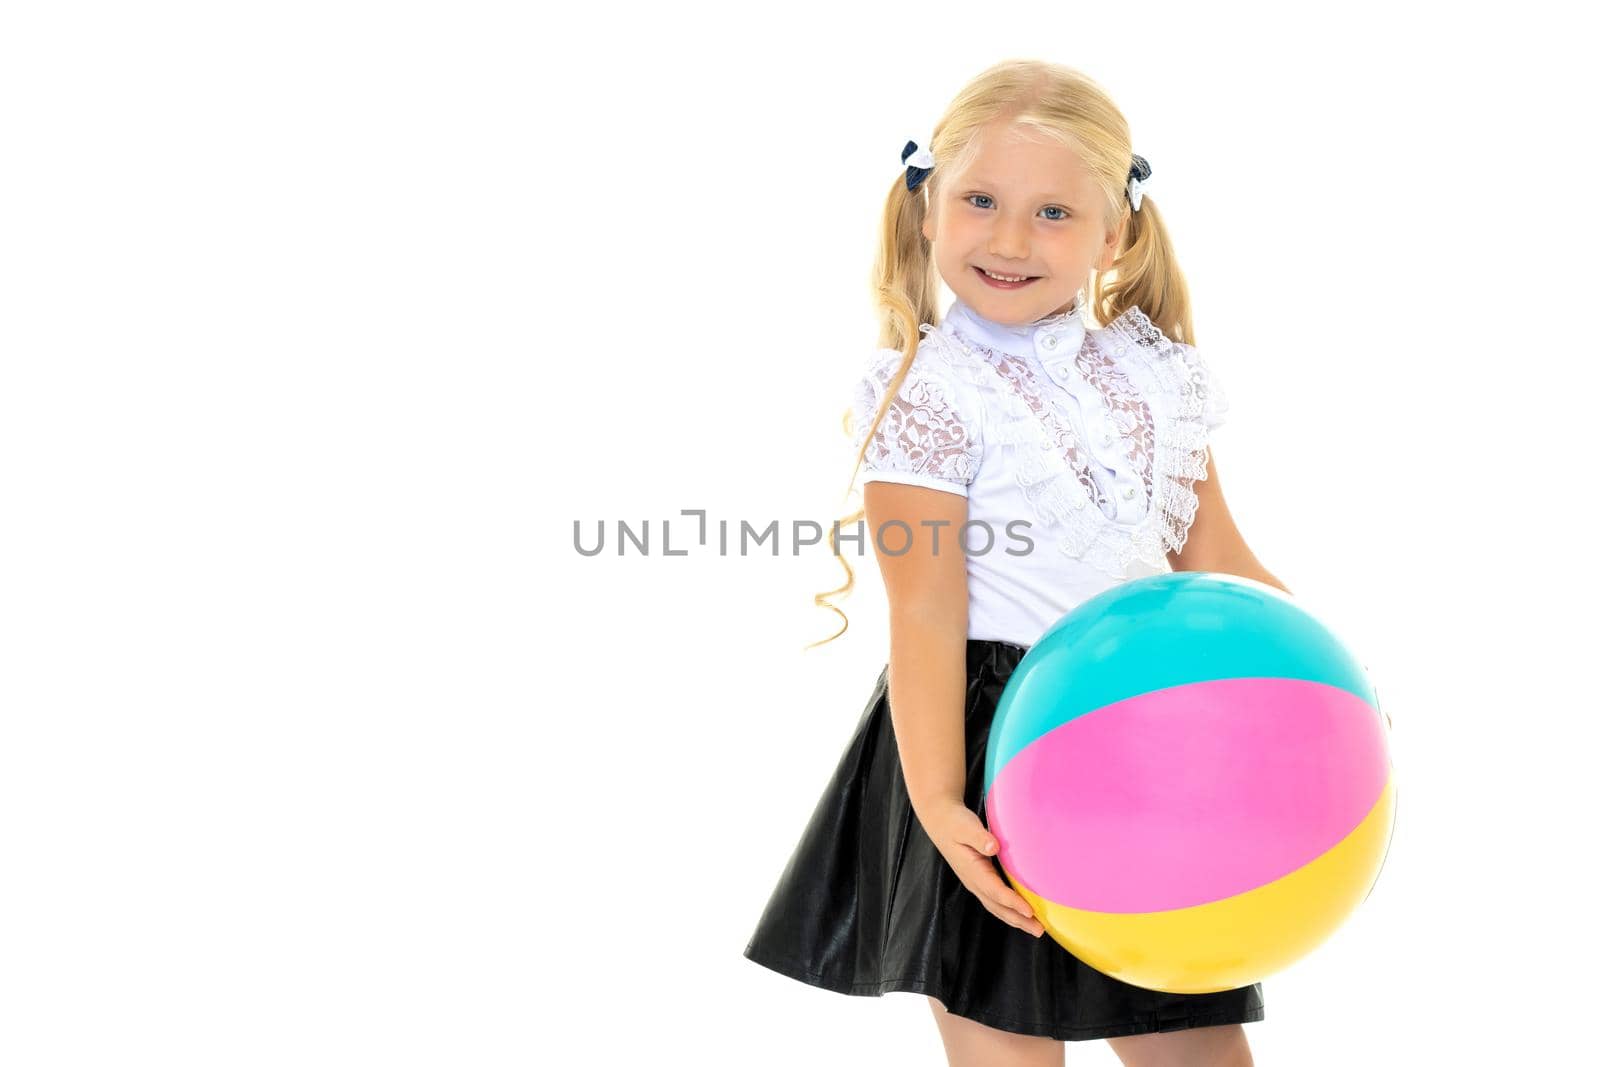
pixel 1172 382
pixel 1057 347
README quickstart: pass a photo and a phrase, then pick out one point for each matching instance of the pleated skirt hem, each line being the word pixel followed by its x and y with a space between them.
pixel 1154 1024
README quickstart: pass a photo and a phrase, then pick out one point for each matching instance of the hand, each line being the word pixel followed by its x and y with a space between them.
pixel 964 842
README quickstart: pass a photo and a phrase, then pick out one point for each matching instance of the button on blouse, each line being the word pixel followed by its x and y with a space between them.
pixel 1055 344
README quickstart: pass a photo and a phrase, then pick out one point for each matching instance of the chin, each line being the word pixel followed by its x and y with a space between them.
pixel 1016 306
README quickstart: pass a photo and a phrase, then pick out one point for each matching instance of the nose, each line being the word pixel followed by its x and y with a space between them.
pixel 1009 237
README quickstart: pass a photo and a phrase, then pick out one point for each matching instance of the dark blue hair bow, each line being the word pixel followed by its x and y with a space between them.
pixel 919 164
pixel 1138 174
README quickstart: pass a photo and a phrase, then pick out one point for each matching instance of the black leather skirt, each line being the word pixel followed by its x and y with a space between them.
pixel 867 905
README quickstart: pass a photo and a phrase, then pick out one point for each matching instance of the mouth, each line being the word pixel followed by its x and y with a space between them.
pixel 1005 281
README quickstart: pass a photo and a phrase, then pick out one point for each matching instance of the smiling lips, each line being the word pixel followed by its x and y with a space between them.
pixel 1006 281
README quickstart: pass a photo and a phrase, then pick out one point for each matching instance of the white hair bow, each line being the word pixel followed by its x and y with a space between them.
pixel 1136 191
pixel 922 157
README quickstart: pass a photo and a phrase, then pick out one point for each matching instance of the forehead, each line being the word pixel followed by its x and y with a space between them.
pixel 1049 185
pixel 1025 165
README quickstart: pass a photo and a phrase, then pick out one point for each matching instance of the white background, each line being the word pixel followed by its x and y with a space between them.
pixel 322 323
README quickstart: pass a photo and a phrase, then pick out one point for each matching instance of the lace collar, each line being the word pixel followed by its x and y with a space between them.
pixel 1053 338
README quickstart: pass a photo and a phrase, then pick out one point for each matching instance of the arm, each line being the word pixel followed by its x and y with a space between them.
pixel 927 595
pixel 928 683
pixel 1214 543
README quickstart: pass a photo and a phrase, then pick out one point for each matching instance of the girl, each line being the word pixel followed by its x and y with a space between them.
pixel 1026 460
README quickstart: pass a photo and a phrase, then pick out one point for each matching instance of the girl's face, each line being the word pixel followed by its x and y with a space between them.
pixel 1024 207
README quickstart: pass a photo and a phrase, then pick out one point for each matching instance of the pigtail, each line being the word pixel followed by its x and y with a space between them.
pixel 905 288
pixel 1145 275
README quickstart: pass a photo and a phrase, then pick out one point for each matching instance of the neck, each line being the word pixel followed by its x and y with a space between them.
pixel 1016 337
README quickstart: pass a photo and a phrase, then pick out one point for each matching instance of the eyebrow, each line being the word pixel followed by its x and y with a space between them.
pixel 987 184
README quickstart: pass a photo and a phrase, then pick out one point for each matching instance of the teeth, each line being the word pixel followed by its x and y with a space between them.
pixel 1004 277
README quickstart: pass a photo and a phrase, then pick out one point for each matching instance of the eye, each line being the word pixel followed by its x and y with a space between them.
pixel 1052 207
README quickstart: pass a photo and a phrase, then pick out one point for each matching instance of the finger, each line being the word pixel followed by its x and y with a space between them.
pixel 1003 895
pixel 976 836
pixel 1027 922
pixel 991 893
pixel 1016 904
pixel 1008 897
pixel 984 851
pixel 1006 915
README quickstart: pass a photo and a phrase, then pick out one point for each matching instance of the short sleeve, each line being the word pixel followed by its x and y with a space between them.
pixel 929 434
pixel 1213 398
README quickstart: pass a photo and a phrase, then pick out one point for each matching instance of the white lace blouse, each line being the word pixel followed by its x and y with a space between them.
pixel 1091 437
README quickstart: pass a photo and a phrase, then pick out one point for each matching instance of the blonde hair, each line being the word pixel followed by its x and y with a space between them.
pixel 1056 103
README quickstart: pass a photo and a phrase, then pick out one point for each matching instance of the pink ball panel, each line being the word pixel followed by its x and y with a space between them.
pixel 1188 794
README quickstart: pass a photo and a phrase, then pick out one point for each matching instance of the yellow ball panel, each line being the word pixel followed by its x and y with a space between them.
pixel 1233 942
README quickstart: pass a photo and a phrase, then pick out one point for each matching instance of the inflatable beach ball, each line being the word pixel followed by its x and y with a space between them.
pixel 1190 782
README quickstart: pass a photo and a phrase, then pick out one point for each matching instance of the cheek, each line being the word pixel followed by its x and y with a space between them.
pixel 953 229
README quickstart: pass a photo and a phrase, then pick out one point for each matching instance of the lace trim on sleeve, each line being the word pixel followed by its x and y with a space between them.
pixel 1213 399
pixel 927 429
